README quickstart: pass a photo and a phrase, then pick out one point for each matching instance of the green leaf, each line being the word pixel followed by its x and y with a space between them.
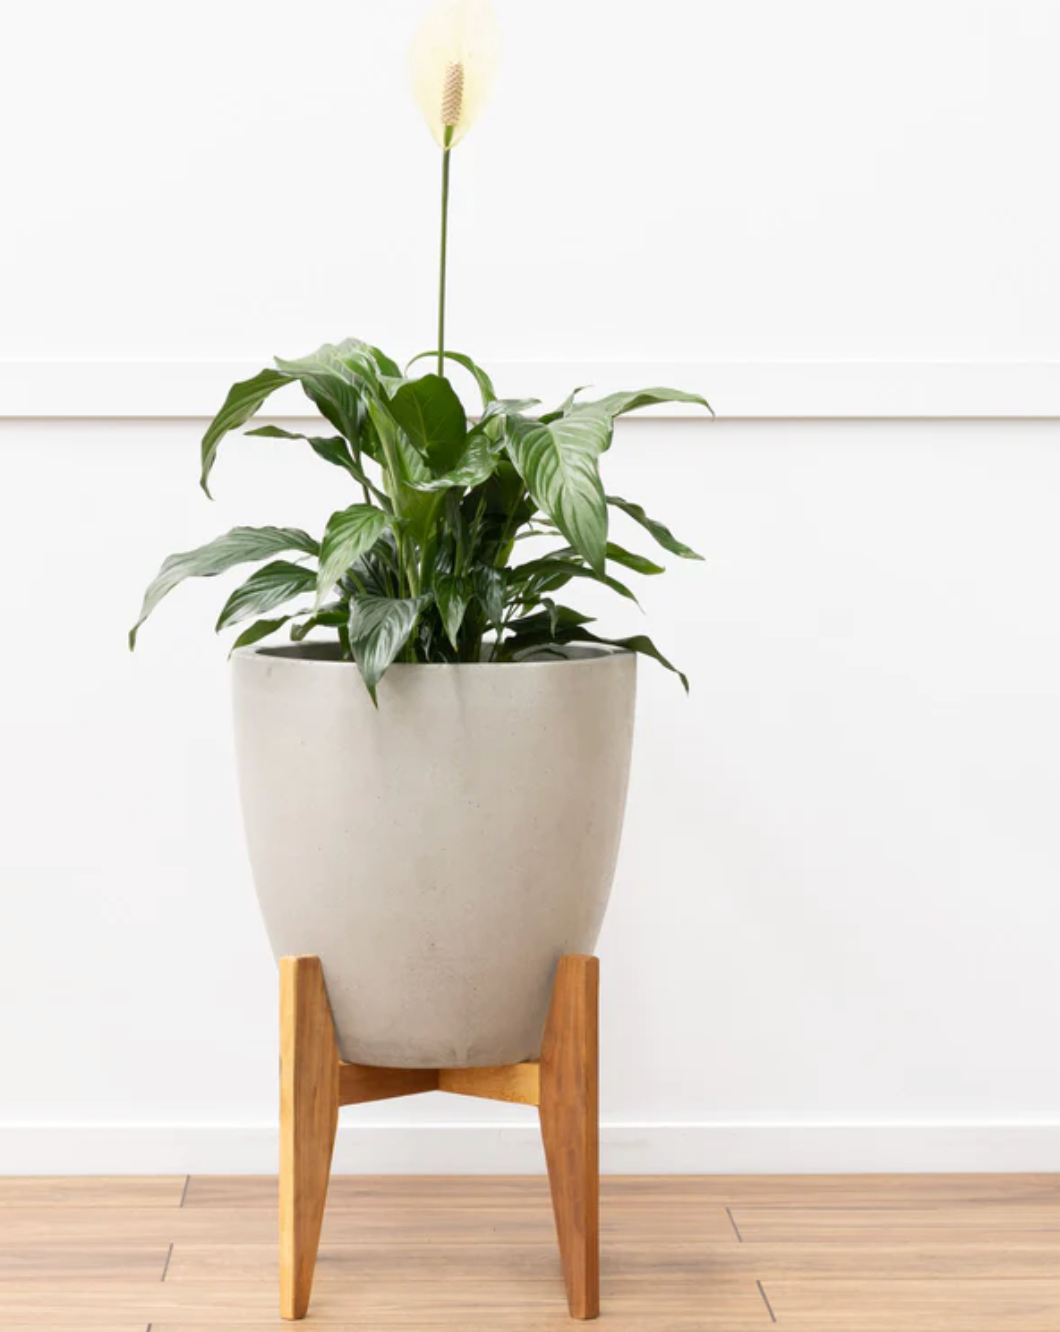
pixel 349 534
pixel 258 630
pixel 639 643
pixel 452 593
pixel 536 631
pixel 550 574
pixel 558 618
pixel 433 417
pixel 351 361
pixel 476 465
pixel 485 384
pixel 379 627
pixel 540 629
pixel 616 404
pixel 383 363
pixel 559 463
pixel 565 405
pixel 242 402
pixel 332 616
pixel 617 555
pixel 338 379
pixel 508 407
pixel 242 545
pixel 629 559
pixel 265 589
pixel 489 586
pixel 659 531
pixel 334 450
pixel 373 571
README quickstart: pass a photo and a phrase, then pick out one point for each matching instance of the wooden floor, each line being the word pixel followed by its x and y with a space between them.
pixel 972 1253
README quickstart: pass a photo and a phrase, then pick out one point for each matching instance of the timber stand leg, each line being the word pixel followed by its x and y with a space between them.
pixel 570 1127
pixel 314 1082
pixel 309 1116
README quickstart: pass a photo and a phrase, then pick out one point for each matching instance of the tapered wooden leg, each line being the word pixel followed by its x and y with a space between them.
pixel 569 1112
pixel 309 1116
pixel 314 1083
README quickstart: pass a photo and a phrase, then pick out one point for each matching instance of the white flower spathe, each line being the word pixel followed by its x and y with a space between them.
pixel 453 63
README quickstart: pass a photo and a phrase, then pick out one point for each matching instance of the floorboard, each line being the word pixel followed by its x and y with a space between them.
pixel 972 1253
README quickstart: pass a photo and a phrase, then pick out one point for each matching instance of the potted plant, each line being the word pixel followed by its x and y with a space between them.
pixel 433 792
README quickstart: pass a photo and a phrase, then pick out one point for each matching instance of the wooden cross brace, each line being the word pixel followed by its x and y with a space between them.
pixel 315 1082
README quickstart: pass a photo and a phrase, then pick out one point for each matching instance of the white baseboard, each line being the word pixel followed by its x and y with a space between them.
pixel 506 1148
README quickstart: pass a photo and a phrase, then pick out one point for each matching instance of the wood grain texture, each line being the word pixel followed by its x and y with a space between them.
pixel 907 1192
pixel 940 1304
pixel 458 1255
pixel 387 1219
pixel 734 1305
pixel 100 1259
pixel 851 1225
pixel 624 1257
pixel 309 1116
pixel 315 1082
pixel 360 1083
pixel 93 1191
pixel 518 1083
pixel 570 1126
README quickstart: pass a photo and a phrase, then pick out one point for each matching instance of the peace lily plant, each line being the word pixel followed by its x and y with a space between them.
pixel 423 567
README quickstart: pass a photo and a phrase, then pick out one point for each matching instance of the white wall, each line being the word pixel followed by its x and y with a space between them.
pixel 837 899
pixel 831 943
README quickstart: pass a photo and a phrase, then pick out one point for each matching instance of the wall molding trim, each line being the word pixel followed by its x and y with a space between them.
pixel 791 390
pixel 509 1148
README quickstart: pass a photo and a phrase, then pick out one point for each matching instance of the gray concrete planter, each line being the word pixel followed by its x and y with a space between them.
pixel 441 853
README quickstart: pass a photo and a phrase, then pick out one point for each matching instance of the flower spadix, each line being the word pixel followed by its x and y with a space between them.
pixel 453 63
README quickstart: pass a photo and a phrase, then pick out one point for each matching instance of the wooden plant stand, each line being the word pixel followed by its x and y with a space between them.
pixel 314 1082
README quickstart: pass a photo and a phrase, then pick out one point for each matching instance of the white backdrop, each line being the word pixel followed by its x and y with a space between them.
pixel 831 941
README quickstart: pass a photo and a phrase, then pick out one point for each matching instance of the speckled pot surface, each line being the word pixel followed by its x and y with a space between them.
pixel 440 854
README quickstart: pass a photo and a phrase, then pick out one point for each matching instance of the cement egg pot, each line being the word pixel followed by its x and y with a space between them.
pixel 441 853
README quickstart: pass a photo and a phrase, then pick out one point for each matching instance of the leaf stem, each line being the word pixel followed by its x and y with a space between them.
pixel 443 258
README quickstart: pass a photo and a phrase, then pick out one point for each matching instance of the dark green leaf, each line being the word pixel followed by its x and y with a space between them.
pixel 540 629
pixel 265 589
pixel 485 384
pixel 639 643
pixel 332 616
pixel 242 545
pixel 617 555
pixel 549 574
pixel 379 627
pixel 452 593
pixel 475 466
pixel 242 402
pixel 629 559
pixel 372 572
pixel 536 631
pixel 258 630
pixel 559 463
pixel 333 450
pixel 488 583
pixel 349 534
pixel 433 417
pixel 659 531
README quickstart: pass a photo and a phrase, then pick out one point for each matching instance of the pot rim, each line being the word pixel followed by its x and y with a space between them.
pixel 319 654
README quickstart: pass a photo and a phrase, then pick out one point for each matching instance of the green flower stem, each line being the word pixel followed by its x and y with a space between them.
pixel 446 152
